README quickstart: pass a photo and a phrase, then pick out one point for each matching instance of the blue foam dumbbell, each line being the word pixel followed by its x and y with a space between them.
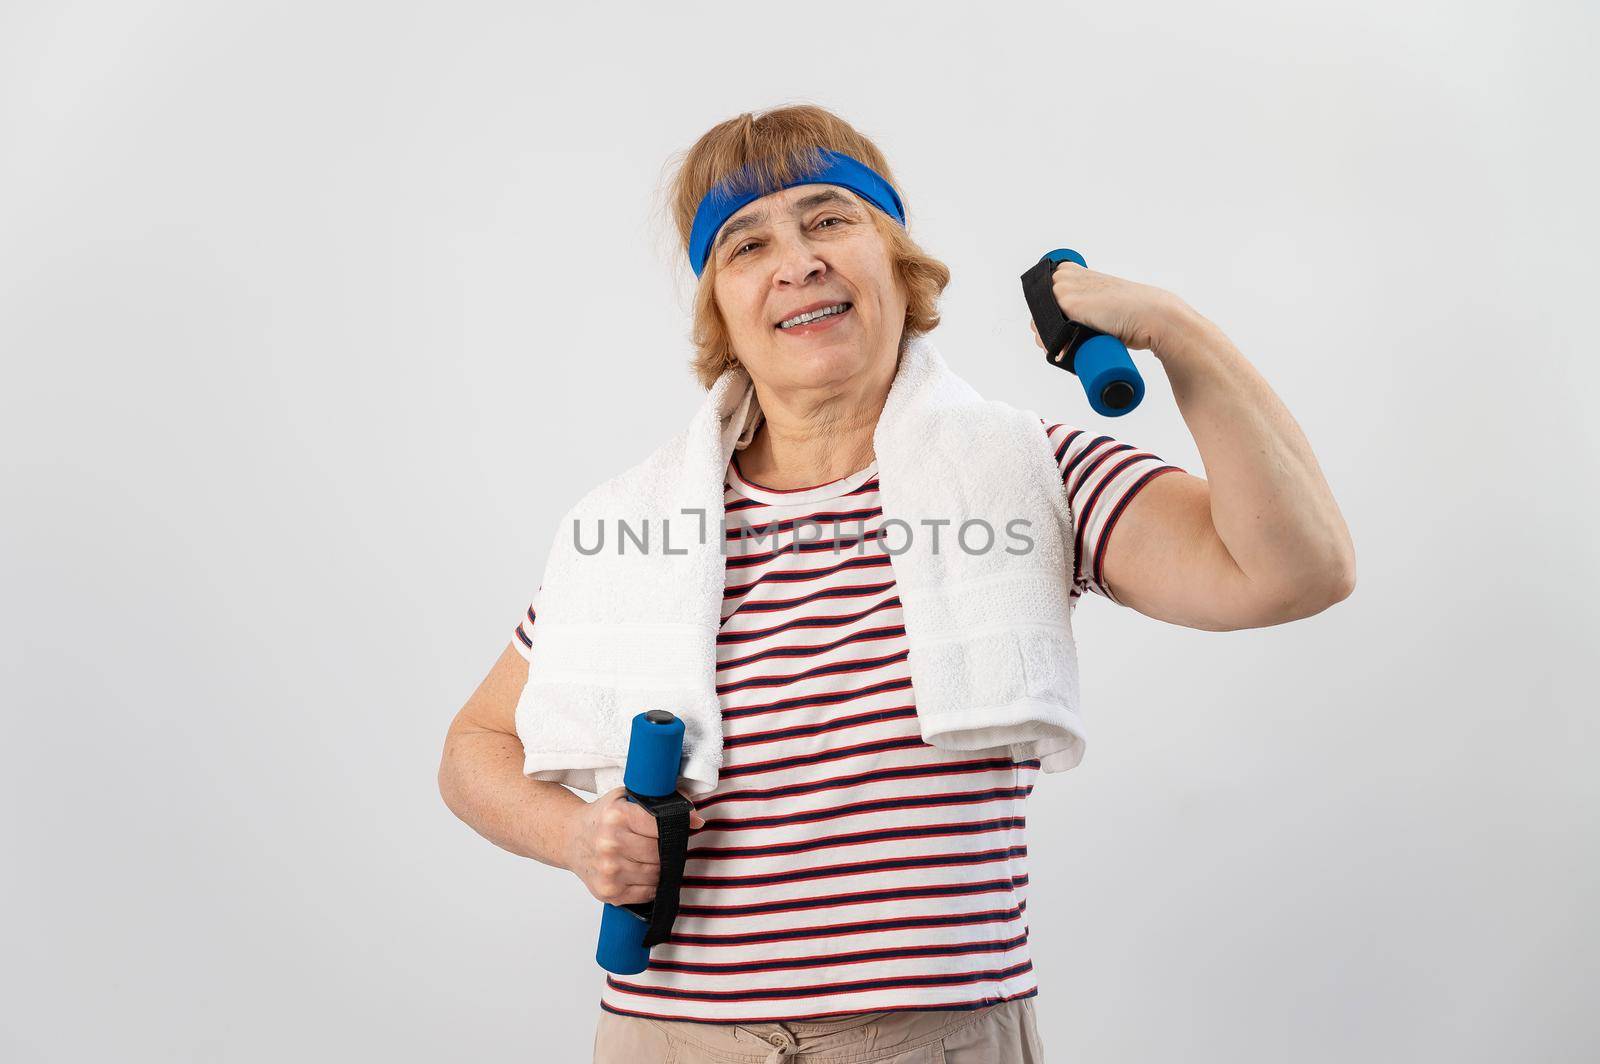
pixel 655 748
pixel 1101 362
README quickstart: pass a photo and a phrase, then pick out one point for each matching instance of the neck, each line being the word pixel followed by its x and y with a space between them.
pixel 808 438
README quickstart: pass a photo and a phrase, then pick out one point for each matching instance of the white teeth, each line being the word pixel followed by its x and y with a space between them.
pixel 801 319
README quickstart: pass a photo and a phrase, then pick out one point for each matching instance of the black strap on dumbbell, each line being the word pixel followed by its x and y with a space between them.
pixel 672 844
pixel 1060 335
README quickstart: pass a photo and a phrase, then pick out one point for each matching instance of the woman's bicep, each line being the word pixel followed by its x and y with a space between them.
pixel 1167 562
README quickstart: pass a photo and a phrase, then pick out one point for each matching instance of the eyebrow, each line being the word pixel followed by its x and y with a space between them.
pixel 801 205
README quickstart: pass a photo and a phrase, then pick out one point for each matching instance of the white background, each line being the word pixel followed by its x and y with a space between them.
pixel 316 316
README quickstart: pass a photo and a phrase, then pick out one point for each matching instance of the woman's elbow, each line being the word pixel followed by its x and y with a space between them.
pixel 1331 586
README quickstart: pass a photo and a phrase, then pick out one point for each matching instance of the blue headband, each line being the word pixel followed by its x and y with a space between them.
pixel 721 202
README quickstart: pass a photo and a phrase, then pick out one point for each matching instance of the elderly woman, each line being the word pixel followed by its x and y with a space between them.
pixel 851 891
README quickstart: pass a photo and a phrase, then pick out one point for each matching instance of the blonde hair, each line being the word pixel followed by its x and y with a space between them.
pixel 775 147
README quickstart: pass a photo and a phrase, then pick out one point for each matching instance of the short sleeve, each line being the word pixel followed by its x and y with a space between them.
pixel 1102 474
pixel 522 635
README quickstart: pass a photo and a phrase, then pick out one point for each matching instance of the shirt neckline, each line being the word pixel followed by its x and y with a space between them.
pixel 794 496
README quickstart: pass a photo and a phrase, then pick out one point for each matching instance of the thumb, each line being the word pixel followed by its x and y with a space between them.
pixel 696 820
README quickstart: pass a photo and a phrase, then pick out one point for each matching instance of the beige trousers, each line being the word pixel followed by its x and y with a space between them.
pixel 1006 1033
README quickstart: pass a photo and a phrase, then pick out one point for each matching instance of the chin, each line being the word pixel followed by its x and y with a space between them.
pixel 833 361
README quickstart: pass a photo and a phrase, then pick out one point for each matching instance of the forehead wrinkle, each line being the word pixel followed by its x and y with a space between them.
pixel 804 203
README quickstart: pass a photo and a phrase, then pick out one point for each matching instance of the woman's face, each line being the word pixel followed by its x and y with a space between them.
pixel 797 248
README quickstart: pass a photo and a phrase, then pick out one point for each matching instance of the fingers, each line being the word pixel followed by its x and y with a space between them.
pixel 628 843
pixel 640 822
pixel 643 860
pixel 621 880
pixel 636 849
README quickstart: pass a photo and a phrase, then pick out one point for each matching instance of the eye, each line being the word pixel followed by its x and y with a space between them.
pixel 755 243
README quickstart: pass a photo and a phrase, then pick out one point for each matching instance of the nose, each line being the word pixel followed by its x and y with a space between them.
pixel 798 262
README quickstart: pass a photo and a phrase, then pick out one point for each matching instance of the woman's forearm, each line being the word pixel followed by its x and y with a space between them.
pixel 1269 502
pixel 481 780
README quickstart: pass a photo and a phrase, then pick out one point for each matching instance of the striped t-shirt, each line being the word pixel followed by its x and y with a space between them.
pixel 846 865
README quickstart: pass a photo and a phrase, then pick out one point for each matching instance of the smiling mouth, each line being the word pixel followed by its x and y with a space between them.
pixel 815 323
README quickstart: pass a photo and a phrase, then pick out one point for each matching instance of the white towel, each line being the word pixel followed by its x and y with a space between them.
pixel 991 654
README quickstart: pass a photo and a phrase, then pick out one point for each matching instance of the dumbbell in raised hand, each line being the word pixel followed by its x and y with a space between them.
pixel 1099 360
